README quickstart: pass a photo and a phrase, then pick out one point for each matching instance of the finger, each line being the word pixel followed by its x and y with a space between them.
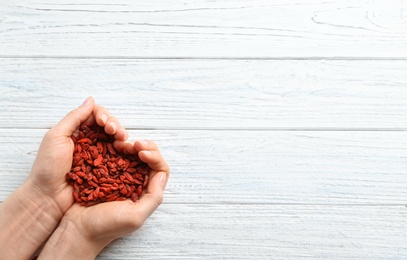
pixel 89 121
pixel 145 145
pixel 150 201
pixel 124 147
pixel 112 125
pixel 155 160
pixel 121 134
pixel 73 119
pixel 101 115
pixel 130 148
pixel 119 145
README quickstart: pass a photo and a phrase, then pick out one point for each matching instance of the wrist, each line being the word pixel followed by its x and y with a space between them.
pixel 68 242
pixel 27 218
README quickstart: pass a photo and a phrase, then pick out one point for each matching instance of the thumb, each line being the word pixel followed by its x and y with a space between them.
pixel 73 119
pixel 150 201
pixel 118 218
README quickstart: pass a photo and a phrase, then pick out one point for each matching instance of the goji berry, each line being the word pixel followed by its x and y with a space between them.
pixel 100 173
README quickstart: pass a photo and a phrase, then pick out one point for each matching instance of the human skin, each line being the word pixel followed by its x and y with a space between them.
pixel 32 213
pixel 85 231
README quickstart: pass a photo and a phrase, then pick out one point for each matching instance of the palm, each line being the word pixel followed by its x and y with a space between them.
pixel 103 221
pixel 110 220
pixel 55 155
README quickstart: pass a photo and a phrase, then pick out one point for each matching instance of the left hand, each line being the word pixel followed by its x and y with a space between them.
pixel 85 231
pixel 32 212
pixel 54 157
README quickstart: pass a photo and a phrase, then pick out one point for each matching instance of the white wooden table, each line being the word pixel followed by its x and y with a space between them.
pixel 284 122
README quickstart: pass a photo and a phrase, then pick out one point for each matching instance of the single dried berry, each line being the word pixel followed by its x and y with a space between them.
pixel 99 173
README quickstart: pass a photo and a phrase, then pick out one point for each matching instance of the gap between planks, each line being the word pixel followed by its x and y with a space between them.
pixel 315 58
pixel 370 205
pixel 254 129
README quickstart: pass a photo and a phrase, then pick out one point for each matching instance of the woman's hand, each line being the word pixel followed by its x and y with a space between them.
pixel 31 213
pixel 85 231
pixel 54 157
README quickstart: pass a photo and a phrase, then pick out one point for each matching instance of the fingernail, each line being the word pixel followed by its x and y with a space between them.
pixel 114 126
pixel 144 142
pixel 104 118
pixel 163 178
pixel 124 132
pixel 147 152
pixel 87 101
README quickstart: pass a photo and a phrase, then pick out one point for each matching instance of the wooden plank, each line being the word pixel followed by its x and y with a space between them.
pixel 223 29
pixel 178 231
pixel 256 167
pixel 207 94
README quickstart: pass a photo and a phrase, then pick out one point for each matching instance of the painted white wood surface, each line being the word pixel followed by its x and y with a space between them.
pixel 202 94
pixel 258 167
pixel 255 28
pixel 267 232
pixel 262 194
pixel 284 122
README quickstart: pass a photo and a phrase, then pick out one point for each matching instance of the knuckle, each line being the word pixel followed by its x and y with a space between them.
pixel 159 198
pixel 166 166
pixel 71 114
pixel 137 223
pixel 50 134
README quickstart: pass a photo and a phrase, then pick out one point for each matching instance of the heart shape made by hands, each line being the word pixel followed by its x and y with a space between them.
pixel 100 173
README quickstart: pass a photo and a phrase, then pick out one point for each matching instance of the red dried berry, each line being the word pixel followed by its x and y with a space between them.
pixel 99 173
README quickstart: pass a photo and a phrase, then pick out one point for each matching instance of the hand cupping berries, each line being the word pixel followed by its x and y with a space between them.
pixel 99 173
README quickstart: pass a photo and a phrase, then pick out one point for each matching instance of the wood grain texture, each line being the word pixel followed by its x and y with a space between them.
pixel 257 167
pixel 267 232
pixel 284 122
pixel 197 94
pixel 223 29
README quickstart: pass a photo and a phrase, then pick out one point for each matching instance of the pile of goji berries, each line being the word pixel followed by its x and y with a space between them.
pixel 99 173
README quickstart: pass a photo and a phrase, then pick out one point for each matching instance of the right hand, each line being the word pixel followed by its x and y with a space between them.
pixel 91 228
